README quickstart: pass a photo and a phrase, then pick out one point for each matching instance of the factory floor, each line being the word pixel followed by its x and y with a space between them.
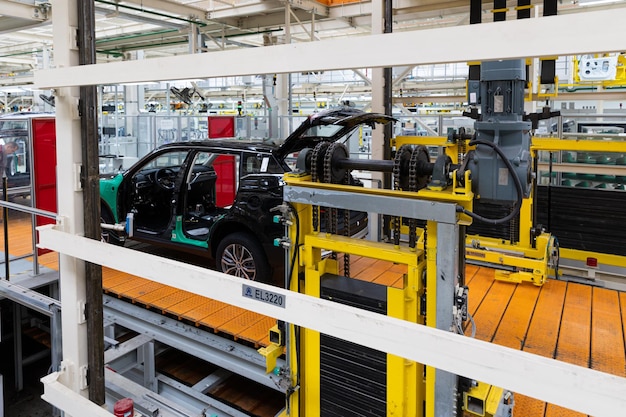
pixel 27 402
pixel 567 321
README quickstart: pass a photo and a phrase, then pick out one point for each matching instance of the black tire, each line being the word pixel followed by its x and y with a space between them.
pixel 241 255
pixel 107 235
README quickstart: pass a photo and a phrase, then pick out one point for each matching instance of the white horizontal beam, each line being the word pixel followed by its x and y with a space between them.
pixel 72 403
pixel 20 61
pixel 546 36
pixel 581 389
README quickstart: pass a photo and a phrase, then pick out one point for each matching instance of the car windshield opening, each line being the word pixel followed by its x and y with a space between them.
pixel 323 131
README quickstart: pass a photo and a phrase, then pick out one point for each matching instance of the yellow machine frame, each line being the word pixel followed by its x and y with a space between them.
pixel 592 144
pixel 410 389
pixel 521 261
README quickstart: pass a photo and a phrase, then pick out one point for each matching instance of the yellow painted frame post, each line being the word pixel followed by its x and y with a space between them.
pixel 405 390
pixel 311 351
pixel 431 310
pixel 298 398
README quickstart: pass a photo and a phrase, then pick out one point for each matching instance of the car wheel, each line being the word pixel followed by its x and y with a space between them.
pixel 108 235
pixel 240 254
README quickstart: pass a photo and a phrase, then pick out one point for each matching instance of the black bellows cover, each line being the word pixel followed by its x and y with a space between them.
pixel 584 219
pixel 353 378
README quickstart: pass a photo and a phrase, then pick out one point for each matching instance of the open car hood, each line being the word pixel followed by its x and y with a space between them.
pixel 328 126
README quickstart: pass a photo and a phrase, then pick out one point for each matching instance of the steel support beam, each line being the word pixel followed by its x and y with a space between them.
pixel 268 7
pixel 443 47
pixel 217 350
pixel 391 204
pixel 180 9
pixel 126 372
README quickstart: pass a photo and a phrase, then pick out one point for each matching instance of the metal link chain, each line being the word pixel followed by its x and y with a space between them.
pixel 331 212
pixel 413 187
pixel 346 230
pixel 396 185
pixel 315 178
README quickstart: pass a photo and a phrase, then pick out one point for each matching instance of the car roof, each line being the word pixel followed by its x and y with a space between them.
pixel 253 145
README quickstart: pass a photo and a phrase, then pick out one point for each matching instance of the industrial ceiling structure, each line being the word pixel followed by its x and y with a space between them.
pixel 160 28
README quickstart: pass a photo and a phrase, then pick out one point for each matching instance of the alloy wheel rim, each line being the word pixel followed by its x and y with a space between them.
pixel 237 260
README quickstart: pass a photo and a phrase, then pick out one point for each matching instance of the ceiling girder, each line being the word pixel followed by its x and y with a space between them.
pixel 273 20
pixel 139 18
pixel 309 5
pixel 178 9
pixel 268 6
pixel 34 12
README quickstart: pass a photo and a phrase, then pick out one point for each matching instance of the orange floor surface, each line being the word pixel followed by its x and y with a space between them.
pixel 570 322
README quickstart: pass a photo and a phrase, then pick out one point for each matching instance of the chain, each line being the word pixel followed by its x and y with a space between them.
pixel 413 186
pixel 331 212
pixel 513 227
pixel 397 162
pixel 346 230
pixel 319 148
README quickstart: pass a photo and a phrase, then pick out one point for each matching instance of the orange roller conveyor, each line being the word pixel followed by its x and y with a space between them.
pixel 516 318
pixel 153 298
pixel 607 347
pixel 491 310
pixel 574 337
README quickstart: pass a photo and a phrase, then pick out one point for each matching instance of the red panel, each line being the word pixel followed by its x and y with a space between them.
pixel 221 127
pixel 45 161
pixel 224 166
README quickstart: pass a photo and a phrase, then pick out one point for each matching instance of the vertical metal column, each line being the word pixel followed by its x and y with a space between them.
pixel 548 66
pixel 91 198
pixel 18 355
pixel 378 106
pixel 499 13
pixel 5 228
pixel 447 279
pixel 56 348
pixel 149 367
pixel 70 205
pixel 523 9
pixel 476 10
pixel 550 7
pixel 388 106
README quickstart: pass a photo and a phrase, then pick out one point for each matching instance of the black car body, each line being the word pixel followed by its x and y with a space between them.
pixel 216 197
